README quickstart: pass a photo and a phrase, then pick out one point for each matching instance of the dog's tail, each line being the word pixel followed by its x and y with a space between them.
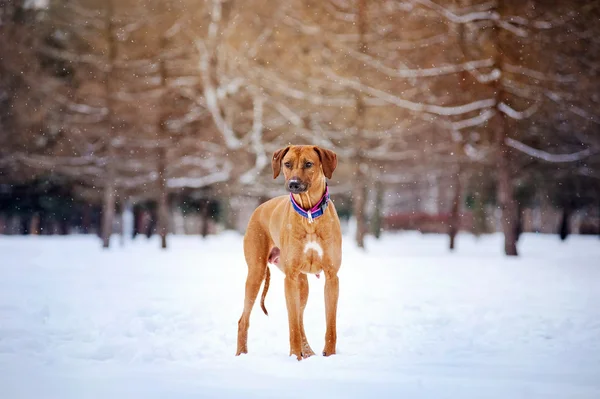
pixel 265 290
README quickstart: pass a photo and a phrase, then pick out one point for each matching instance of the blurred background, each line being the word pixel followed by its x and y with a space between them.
pixel 148 117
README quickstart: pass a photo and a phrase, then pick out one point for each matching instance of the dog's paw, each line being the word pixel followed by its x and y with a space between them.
pixel 240 351
pixel 307 350
pixel 327 353
pixel 300 356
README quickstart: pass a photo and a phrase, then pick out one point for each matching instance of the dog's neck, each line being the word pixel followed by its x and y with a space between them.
pixel 311 197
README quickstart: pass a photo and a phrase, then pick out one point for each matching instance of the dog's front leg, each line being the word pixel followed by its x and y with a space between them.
pixel 292 298
pixel 332 290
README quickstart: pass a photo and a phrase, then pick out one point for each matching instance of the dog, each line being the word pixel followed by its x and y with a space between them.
pixel 299 233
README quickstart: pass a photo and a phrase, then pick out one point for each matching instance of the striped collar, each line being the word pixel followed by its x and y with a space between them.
pixel 315 211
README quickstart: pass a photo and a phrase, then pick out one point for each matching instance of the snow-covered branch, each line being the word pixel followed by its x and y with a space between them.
pixel 558 98
pixel 532 73
pixel 478 120
pixel 256 143
pixel 271 81
pixel 218 176
pixel 518 115
pixel 51 161
pixel 210 96
pixel 404 45
pixel 486 12
pixel 516 30
pixel 486 78
pixel 476 15
pixel 548 157
pixel 410 105
pixel 420 72
pixel 208 60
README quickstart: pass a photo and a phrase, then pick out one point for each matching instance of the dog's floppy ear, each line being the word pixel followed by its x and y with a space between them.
pixel 276 160
pixel 328 161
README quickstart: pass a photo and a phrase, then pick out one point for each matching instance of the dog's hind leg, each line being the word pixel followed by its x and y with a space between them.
pixel 306 349
pixel 256 252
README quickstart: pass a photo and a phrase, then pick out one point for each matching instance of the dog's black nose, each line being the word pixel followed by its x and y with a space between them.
pixel 294 185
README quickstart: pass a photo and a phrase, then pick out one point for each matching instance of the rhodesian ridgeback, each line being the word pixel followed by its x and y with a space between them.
pixel 300 234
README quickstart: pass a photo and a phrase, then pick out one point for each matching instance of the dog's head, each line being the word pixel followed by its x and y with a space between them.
pixel 303 165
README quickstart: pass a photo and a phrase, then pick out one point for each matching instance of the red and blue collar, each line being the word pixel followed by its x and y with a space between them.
pixel 315 211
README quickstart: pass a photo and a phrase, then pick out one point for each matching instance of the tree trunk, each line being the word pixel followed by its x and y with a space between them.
pixel 63 226
pixel 205 219
pixel 86 218
pixel 505 190
pixel 360 183
pixel 162 159
pixel 163 198
pixel 519 225
pixel 151 222
pixel 598 204
pixel 479 212
pixel 454 222
pixel 564 223
pixel 108 205
pixel 122 227
pixel 24 223
pixel 376 221
pixel 34 224
pixel 506 200
pixel 359 203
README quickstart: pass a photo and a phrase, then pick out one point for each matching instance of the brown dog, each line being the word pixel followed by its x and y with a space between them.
pixel 300 234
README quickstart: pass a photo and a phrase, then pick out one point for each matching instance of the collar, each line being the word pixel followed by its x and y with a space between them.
pixel 315 211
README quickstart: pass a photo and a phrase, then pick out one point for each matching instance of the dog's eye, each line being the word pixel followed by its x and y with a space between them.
pixel 308 164
pixel 288 165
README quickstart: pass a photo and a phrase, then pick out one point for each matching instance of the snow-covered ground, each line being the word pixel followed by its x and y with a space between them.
pixel 414 321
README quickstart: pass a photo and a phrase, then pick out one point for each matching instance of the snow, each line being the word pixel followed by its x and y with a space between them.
pixel 414 321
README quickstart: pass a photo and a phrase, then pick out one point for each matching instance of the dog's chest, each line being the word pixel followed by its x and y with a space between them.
pixel 312 252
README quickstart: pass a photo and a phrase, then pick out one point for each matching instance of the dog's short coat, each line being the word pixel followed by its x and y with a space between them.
pixel 297 245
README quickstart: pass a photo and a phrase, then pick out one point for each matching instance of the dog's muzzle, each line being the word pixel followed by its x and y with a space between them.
pixel 296 186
